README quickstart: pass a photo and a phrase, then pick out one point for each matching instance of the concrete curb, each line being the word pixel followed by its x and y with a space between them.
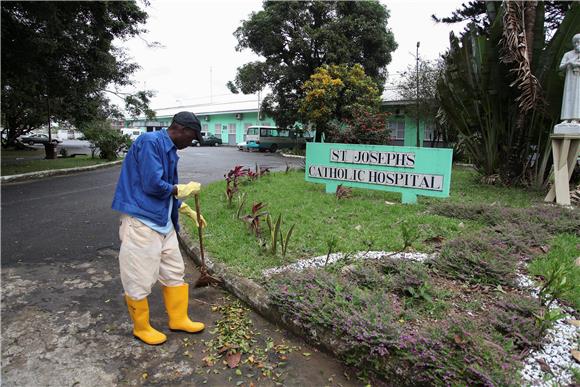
pixel 54 172
pixel 292 156
pixel 257 298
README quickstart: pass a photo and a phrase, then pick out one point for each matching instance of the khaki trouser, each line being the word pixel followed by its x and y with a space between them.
pixel 147 256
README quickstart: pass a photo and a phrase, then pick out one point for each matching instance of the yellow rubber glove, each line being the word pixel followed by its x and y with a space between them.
pixel 187 190
pixel 188 211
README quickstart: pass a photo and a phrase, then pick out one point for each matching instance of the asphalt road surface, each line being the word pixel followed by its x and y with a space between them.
pixel 70 217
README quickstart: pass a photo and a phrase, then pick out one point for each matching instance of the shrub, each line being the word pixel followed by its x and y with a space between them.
pixel 109 141
pixel 477 259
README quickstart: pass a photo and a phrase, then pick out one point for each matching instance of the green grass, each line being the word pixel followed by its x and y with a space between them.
pixel 465 188
pixel 564 250
pixel 44 165
pixel 12 154
pixel 365 218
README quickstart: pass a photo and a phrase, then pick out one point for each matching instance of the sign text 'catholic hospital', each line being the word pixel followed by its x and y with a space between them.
pixel 397 179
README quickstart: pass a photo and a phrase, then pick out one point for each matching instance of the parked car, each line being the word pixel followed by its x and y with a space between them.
pixel 242 146
pixel 208 139
pixel 38 138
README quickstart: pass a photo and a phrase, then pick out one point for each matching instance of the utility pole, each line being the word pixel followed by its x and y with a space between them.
pixel 210 84
pixel 418 142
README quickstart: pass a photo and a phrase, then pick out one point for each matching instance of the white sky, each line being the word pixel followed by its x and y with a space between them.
pixel 198 36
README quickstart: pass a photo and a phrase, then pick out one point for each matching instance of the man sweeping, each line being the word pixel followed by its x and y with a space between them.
pixel 149 197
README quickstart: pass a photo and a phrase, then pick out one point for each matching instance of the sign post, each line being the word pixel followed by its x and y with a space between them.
pixel 409 170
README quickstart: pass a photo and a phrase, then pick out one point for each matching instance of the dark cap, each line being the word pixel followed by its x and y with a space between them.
pixel 188 120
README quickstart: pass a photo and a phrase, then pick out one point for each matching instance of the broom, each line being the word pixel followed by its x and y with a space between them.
pixel 205 279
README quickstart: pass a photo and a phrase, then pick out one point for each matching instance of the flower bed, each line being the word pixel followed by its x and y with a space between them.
pixel 457 315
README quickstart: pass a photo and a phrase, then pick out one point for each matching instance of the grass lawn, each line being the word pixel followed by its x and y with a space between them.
pixel 44 165
pixel 12 154
pixel 367 220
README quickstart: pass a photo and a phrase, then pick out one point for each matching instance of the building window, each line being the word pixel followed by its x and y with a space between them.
pixel 397 129
pixel 429 131
pixel 218 129
pixel 232 128
pixel 205 128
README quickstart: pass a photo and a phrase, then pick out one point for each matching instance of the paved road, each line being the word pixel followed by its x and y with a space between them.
pixel 64 321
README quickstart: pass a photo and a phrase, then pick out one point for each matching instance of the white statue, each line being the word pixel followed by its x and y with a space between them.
pixel 571 98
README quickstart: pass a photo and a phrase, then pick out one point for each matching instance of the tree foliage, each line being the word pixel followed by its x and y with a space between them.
pixel 502 92
pixel 480 12
pixel 296 38
pixel 336 92
pixel 103 137
pixel 58 61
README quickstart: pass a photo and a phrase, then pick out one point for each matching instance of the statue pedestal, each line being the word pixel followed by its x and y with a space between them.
pixel 565 147
pixel 567 128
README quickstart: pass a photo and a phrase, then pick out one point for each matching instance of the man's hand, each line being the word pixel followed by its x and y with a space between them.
pixel 186 190
pixel 186 210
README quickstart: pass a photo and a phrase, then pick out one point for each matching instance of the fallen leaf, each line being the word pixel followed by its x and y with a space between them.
pixel 575 355
pixel 358 227
pixel 145 375
pixel 461 225
pixel 233 359
pixel 388 203
pixel 238 372
pixel 577 262
pixel 458 340
pixel 306 354
pixel 544 366
pixel 576 323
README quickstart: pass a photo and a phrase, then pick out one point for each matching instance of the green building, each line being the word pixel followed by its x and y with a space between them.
pixel 230 121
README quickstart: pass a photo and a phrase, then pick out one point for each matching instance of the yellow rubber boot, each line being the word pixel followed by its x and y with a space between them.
pixel 139 312
pixel 176 302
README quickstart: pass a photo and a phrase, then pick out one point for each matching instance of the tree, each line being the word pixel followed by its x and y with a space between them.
pixel 59 62
pixel 428 104
pixel 296 38
pixel 502 92
pixel 336 92
pixel 480 12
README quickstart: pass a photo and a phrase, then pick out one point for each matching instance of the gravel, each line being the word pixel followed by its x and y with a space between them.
pixel 321 261
pixel 552 363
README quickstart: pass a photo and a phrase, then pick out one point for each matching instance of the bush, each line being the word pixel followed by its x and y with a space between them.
pixel 477 259
pixel 109 141
pixel 365 128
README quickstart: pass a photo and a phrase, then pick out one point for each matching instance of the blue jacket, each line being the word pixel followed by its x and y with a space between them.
pixel 147 178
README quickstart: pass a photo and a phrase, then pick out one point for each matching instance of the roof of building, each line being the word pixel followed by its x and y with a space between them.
pixel 250 104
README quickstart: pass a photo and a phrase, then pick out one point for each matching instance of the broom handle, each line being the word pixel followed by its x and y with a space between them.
pixel 200 231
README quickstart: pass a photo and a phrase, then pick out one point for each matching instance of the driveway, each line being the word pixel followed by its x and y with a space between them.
pixel 64 321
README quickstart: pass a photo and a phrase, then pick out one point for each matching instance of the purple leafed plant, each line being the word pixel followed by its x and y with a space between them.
pixel 253 219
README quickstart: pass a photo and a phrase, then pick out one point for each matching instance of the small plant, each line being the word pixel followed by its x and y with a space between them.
pixel 254 218
pixel 285 240
pixel 232 182
pixel 410 234
pixel 331 244
pixel 556 283
pixel 343 192
pixel 546 318
pixel 274 232
pixel 241 203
